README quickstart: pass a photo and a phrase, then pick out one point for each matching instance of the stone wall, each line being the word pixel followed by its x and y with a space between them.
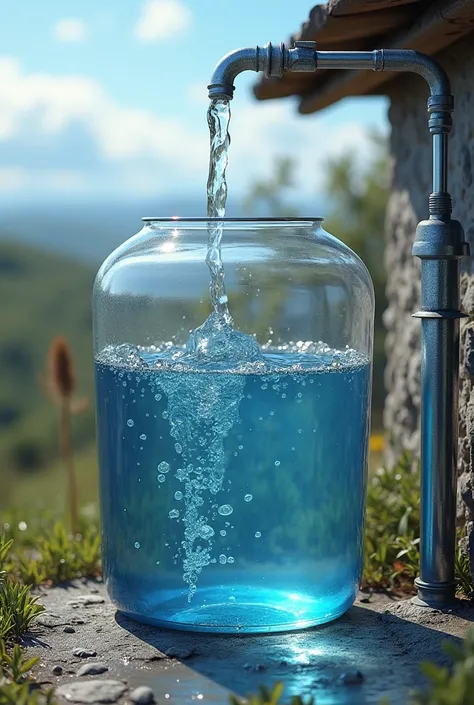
pixel 411 184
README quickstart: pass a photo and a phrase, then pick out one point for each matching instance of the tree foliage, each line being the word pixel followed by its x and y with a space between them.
pixel 357 195
pixel 359 199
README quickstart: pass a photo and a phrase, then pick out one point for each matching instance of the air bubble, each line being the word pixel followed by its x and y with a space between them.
pixel 231 598
pixel 225 510
pixel 206 531
pixel 248 497
pixel 130 423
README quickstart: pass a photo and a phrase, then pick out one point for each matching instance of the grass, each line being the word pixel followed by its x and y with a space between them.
pixel 270 696
pixel 18 610
pixel 50 554
pixel 392 542
pixel 392 528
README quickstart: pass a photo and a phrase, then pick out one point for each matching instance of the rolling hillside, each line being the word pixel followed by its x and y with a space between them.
pixel 42 295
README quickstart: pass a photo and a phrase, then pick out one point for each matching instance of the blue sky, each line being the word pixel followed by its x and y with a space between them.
pixel 108 98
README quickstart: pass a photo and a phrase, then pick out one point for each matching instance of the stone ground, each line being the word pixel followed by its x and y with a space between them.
pixel 93 654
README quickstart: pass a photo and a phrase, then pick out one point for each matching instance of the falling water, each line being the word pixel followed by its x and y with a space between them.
pixel 218 118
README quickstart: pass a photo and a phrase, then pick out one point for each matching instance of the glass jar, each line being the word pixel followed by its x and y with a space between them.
pixel 233 458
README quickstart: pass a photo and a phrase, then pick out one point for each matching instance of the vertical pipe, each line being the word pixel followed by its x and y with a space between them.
pixel 439 428
pixel 440 163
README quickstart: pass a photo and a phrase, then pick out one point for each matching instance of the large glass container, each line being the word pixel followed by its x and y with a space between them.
pixel 233 459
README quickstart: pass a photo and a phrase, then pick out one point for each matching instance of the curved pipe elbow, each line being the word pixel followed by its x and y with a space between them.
pixel 425 66
pixel 229 67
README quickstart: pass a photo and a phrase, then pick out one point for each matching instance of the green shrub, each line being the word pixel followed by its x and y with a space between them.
pixel 270 697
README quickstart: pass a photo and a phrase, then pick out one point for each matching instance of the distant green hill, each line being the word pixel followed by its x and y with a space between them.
pixel 41 295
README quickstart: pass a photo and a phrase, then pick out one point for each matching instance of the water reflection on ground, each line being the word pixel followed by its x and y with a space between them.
pixel 326 662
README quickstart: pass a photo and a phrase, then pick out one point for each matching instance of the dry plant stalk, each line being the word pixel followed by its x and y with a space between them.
pixel 60 386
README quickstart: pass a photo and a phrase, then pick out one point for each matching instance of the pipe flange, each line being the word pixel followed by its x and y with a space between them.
pixel 435 595
pixel 440 313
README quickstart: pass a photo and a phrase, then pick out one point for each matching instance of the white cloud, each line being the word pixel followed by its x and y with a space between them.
pixel 69 30
pixel 66 133
pixel 162 19
pixel 14 179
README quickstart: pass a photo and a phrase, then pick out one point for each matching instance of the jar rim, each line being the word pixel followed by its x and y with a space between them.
pixel 179 219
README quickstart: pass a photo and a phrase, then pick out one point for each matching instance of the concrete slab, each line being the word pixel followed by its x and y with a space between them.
pixel 372 651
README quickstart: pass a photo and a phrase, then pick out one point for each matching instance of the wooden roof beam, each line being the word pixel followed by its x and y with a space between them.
pixel 440 26
pixel 339 8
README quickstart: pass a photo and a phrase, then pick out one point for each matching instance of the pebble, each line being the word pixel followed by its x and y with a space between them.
pixel 48 619
pixel 92 669
pixel 57 670
pixel 69 630
pixel 84 653
pixel 142 696
pixel 176 652
pixel 92 692
pixel 86 600
pixel 351 678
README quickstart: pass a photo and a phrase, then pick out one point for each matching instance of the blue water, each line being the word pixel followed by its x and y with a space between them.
pixel 232 499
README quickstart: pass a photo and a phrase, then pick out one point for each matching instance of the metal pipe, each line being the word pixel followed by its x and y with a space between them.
pixel 357 60
pixel 275 60
pixel 440 245
pixel 440 163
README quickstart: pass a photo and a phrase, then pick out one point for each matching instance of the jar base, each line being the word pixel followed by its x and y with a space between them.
pixel 272 611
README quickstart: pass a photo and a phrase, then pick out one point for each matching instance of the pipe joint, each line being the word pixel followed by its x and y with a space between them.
pixel 440 108
pixel 440 239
